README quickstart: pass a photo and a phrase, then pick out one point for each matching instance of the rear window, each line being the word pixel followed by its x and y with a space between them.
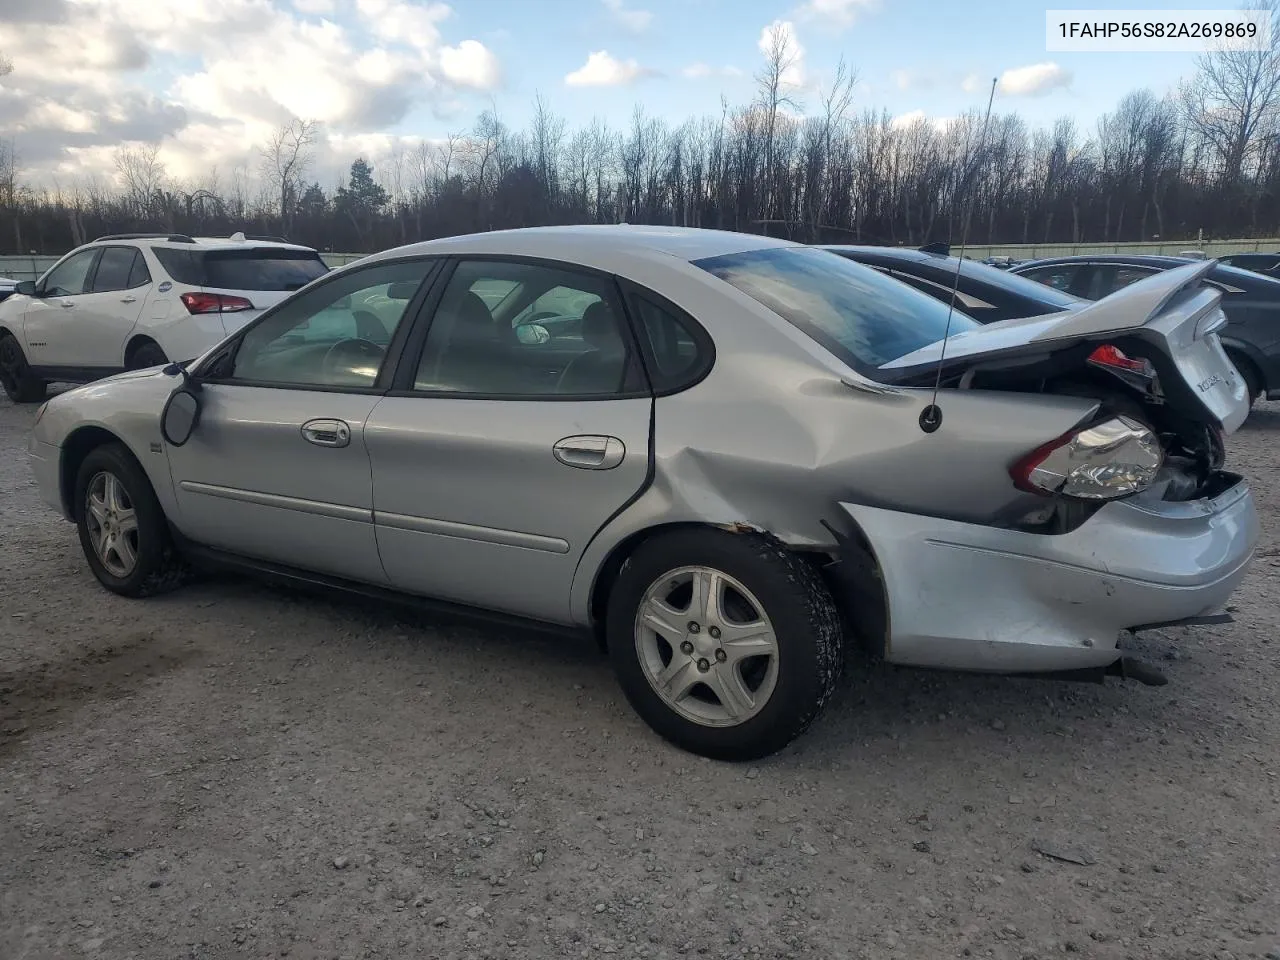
pixel 261 268
pixel 863 317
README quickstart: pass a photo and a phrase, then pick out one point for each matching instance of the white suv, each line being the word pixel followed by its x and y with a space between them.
pixel 129 301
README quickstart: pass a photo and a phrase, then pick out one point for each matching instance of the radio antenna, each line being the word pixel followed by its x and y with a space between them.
pixel 931 416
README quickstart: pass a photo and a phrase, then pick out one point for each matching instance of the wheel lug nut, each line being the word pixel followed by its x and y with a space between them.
pixel 721 656
pixel 715 632
pixel 693 626
pixel 703 665
pixel 686 648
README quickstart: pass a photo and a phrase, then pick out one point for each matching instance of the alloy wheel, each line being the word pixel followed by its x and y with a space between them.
pixel 112 524
pixel 706 646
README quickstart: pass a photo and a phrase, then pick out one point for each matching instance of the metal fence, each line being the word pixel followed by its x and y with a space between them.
pixel 29 268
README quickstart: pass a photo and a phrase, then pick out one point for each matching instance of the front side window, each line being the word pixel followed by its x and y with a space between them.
pixel 335 335
pixel 1107 280
pixel 862 316
pixel 555 332
pixel 114 269
pixel 67 279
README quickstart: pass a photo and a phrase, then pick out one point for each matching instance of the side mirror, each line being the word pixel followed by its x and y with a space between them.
pixel 532 334
pixel 25 287
pixel 180 415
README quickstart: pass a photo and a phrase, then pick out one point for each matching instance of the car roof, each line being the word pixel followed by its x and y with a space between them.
pixel 1137 259
pixel 603 246
pixel 892 253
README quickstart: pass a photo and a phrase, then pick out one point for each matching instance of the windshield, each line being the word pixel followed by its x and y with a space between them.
pixel 256 268
pixel 863 317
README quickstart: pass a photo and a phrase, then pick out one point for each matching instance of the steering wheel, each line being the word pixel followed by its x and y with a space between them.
pixel 352 349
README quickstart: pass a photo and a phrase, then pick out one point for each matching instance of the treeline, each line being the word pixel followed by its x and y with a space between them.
pixel 1204 160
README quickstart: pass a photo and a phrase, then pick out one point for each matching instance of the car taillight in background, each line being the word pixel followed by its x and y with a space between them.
pixel 214 303
pixel 1115 458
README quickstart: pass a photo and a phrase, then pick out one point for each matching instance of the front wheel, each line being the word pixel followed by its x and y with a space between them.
pixel 122 526
pixel 726 644
pixel 15 373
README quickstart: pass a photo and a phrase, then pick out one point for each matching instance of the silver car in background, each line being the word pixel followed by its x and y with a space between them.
pixel 719 452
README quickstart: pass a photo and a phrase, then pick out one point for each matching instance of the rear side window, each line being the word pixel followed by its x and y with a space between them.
pixel 1058 278
pixel 677 356
pixel 260 268
pixel 863 317
pixel 139 276
pixel 114 269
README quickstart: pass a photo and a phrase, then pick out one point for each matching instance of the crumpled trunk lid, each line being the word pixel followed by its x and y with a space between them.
pixel 1171 313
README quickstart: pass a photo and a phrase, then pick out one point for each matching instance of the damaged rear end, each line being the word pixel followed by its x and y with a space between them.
pixel 1128 518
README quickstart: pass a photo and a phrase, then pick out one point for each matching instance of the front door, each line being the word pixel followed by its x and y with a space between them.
pixel 55 319
pixel 277 467
pixel 521 429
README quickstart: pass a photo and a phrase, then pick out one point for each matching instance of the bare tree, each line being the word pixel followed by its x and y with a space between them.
pixel 775 91
pixel 1234 98
pixel 285 160
pixel 142 175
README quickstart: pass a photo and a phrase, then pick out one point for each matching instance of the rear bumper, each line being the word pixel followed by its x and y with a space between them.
pixel 968 597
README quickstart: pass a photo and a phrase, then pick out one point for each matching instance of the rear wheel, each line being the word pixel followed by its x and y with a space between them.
pixel 15 373
pixel 726 644
pixel 146 355
pixel 122 526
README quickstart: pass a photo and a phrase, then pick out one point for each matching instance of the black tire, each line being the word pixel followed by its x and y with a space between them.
pixel 15 373
pixel 146 355
pixel 158 566
pixel 1249 374
pixel 799 607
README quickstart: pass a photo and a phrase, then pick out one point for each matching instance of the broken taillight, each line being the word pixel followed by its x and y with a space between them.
pixel 1114 458
pixel 1109 355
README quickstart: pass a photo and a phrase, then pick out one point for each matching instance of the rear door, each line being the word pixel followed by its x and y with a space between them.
pixel 108 312
pixel 505 447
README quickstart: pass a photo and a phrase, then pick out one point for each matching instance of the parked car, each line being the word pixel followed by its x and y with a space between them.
pixel 1001 262
pixel 1250 301
pixel 735 453
pixel 985 293
pixel 6 288
pixel 1267 264
pixel 129 301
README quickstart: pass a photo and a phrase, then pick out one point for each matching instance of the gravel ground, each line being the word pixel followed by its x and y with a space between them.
pixel 239 771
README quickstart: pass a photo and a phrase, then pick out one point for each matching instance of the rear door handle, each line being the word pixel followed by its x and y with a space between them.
pixel 128 299
pixel 67 303
pixel 590 452
pixel 327 433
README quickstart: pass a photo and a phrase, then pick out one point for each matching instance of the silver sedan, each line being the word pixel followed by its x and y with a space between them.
pixel 721 453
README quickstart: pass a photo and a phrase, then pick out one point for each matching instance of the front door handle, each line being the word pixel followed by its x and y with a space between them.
pixel 327 433
pixel 590 452
pixel 66 303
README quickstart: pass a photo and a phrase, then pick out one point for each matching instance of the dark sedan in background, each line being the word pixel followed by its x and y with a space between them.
pixel 985 293
pixel 1267 264
pixel 1250 300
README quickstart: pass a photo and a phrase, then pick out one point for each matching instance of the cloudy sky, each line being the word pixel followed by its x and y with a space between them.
pixel 209 79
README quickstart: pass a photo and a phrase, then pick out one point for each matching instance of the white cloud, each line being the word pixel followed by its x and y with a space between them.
pixel 700 71
pixel 236 69
pixel 904 121
pixel 602 70
pixel 471 64
pixel 631 20
pixel 838 14
pixel 781 36
pixel 1034 80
